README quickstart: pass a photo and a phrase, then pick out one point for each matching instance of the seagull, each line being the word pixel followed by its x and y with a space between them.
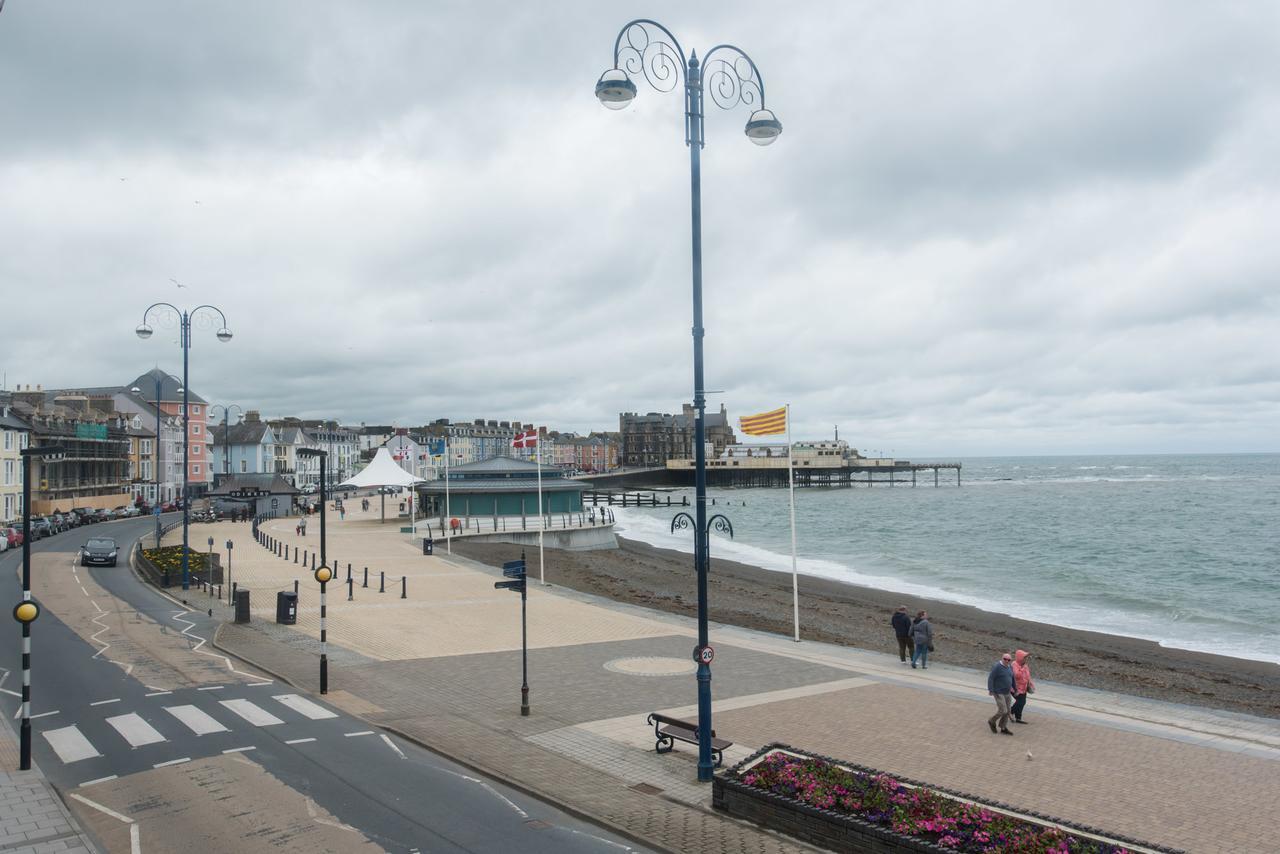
pixel 1029 756
pixel 176 282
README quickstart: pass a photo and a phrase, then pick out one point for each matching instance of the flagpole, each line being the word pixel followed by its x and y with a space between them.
pixel 791 485
pixel 448 538
pixel 542 520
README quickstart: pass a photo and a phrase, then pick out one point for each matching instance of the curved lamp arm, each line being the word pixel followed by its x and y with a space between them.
pixel 721 524
pixel 646 52
pixel 681 521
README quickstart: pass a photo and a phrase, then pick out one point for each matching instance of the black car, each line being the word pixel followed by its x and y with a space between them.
pixel 100 551
pixel 86 515
pixel 40 528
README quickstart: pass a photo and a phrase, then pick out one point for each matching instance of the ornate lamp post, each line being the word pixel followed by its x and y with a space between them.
pixel 645 47
pixel 26 611
pixel 323 573
pixel 226 431
pixel 144 332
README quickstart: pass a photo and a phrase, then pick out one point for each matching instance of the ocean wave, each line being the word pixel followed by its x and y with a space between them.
pixel 1160 628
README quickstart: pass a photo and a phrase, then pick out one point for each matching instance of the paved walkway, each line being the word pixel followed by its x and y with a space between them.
pixel 33 819
pixel 443 666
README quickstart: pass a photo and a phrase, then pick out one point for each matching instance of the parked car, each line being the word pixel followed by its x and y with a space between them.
pixel 85 514
pixel 13 536
pixel 102 515
pixel 41 527
pixel 56 523
pixel 4 544
pixel 99 551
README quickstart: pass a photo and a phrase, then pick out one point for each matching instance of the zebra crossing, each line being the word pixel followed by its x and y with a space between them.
pixel 70 743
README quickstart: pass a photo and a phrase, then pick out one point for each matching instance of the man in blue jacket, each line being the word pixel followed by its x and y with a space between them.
pixel 902 628
pixel 1000 686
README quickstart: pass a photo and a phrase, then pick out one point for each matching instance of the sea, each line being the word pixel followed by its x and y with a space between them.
pixel 1183 550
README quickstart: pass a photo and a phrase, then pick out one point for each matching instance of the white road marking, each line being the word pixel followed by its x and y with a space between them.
pixel 10 693
pixel 135 839
pixel 177 617
pixel 392 745
pixel 172 762
pixel 94 603
pixel 99 780
pixel 44 714
pixel 362 732
pixel 100 808
pixel 503 797
pixel 197 720
pixel 600 839
pixel 239 750
pixel 105 702
pixel 260 684
pixel 158 693
pixel 212 688
pixel 251 713
pixel 304 706
pixel 135 730
pixel 299 740
pixel 70 744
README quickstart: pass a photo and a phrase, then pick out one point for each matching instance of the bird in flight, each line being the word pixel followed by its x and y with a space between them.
pixel 176 282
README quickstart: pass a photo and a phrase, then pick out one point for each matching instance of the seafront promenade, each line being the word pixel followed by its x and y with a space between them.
pixel 442 666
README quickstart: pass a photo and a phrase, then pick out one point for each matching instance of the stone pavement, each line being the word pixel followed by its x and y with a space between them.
pixel 444 668
pixel 33 819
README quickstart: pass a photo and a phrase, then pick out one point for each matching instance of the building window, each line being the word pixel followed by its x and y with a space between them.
pixel 195 429
pixel 195 469
pixel 195 410
pixel 244 466
pixel 195 449
pixel 146 446
pixel 8 478
pixel 8 444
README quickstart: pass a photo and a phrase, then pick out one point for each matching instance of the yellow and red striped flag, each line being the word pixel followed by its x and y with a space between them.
pixel 766 423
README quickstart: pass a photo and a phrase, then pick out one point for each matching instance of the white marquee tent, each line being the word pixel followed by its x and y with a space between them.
pixel 382 471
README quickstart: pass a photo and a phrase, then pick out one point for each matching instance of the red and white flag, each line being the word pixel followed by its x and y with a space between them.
pixel 527 439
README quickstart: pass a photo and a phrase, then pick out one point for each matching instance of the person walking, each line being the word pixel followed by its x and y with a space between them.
pixel 342 511
pixel 901 623
pixel 303 526
pixel 1000 687
pixel 1023 684
pixel 922 635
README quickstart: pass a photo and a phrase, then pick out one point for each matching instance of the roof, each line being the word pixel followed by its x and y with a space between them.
pixel 523 484
pixel 382 471
pixel 140 431
pixel 168 387
pixel 292 436
pixel 244 433
pixel 502 467
pixel 13 422
pixel 273 484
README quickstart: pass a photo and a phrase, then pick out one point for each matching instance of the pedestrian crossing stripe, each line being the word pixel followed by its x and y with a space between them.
pixel 197 720
pixel 303 706
pixel 135 730
pixel 253 714
pixel 70 744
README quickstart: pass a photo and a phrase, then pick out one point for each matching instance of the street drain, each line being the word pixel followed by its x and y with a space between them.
pixel 646 789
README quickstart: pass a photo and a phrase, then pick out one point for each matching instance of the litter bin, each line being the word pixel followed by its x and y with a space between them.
pixel 242 606
pixel 286 608
pixel 428 546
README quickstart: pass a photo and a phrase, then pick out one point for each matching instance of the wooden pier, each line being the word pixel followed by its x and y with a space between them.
pixel 772 472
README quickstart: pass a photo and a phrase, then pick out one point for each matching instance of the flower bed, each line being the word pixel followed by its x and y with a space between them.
pixel 167 560
pixel 851 808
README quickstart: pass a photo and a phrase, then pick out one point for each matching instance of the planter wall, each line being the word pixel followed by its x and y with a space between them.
pixel 842 832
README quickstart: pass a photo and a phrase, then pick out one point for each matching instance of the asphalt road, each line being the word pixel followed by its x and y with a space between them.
pixel 93 723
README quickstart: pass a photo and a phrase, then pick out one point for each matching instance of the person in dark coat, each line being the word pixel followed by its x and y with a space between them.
pixel 1000 686
pixel 901 623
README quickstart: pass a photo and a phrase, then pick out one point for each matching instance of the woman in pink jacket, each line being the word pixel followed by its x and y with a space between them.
pixel 1022 684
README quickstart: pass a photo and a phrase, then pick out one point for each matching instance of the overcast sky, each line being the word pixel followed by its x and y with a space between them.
pixel 988 228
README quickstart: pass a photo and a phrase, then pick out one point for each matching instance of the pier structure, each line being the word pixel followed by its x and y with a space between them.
pixel 829 464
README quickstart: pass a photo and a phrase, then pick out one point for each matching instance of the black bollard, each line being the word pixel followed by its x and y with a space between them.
pixel 351 583
pixel 403 588
pixel 313 561
pixel 366 577
pixel 348 573
pixel 295 554
pixel 382 581
pixel 295 587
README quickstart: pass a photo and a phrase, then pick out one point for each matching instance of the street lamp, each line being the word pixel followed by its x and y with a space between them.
pixel 144 332
pixel 647 48
pixel 323 572
pixel 26 611
pixel 226 431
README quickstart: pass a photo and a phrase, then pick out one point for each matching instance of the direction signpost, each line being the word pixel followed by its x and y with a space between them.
pixel 515 571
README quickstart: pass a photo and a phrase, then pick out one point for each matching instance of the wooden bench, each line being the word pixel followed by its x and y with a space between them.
pixel 668 731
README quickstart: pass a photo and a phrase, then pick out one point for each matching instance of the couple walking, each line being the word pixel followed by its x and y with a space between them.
pixel 914 636
pixel 1009 682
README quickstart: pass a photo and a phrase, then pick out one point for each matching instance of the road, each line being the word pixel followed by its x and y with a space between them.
pixel 160 743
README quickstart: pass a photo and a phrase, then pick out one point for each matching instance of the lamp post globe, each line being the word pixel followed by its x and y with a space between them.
pixel 323 574
pixel 615 89
pixel 224 335
pixel 763 127
pixel 144 331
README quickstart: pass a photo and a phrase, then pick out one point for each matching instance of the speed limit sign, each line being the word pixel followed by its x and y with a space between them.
pixel 704 654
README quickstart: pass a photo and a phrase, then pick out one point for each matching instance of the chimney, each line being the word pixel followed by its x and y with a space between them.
pixel 253 416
